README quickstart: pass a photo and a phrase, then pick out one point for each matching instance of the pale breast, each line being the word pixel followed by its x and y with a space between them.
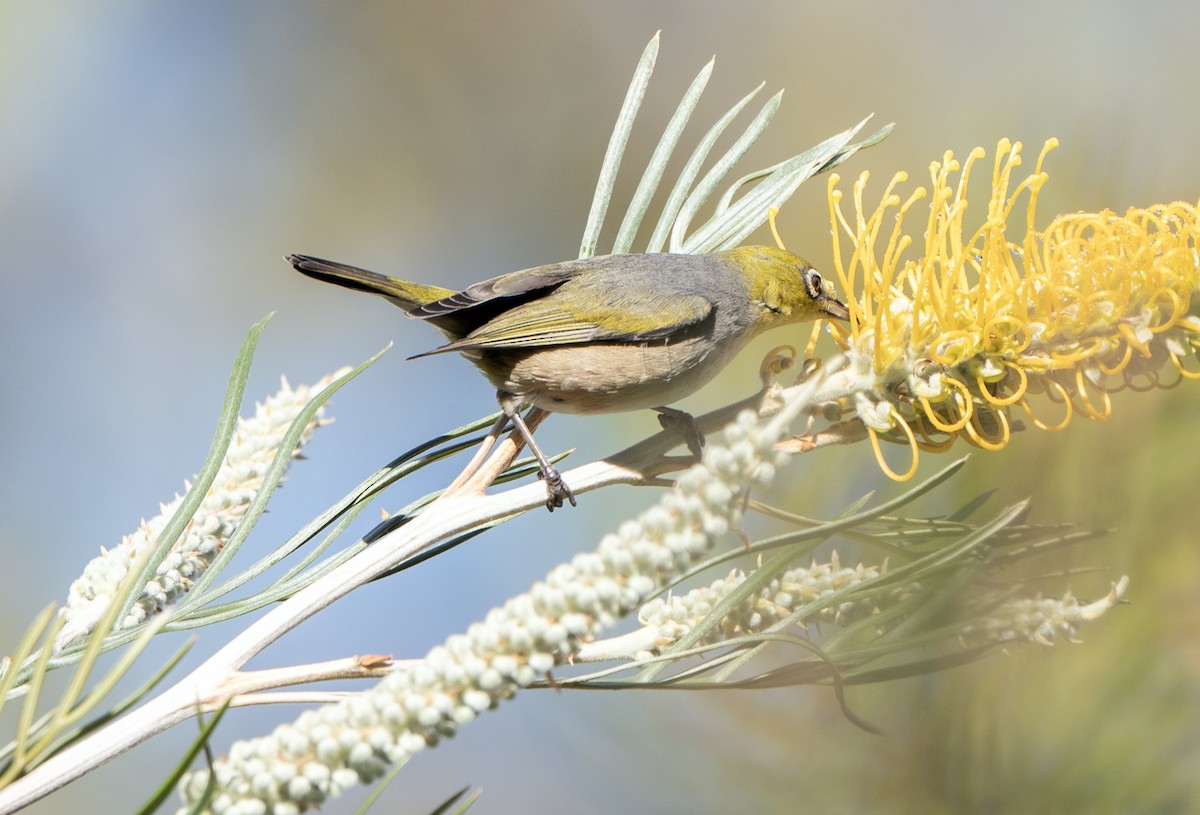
pixel 605 378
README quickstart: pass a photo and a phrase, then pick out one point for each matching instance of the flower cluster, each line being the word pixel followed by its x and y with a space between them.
pixel 325 750
pixel 947 345
pixel 812 587
pixel 812 591
pixel 1041 619
pixel 253 447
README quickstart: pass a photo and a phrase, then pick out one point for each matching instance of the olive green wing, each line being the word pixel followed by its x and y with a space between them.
pixel 522 285
pixel 592 310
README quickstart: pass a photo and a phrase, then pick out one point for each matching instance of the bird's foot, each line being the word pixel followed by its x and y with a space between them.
pixel 557 490
pixel 685 423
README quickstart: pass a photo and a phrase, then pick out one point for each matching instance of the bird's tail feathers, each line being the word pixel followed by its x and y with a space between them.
pixel 405 294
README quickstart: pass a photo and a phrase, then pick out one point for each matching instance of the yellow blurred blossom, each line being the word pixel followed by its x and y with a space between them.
pixel 950 344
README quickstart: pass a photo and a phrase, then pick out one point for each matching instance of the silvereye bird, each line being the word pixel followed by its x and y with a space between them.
pixel 610 333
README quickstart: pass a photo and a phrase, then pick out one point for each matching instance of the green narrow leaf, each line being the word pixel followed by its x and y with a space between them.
pixel 456 804
pixel 340 515
pixel 115 674
pixel 754 581
pixel 658 162
pixel 126 703
pixel 727 197
pixel 167 788
pixel 208 472
pixel 713 178
pixel 24 744
pixel 24 648
pixel 272 477
pixel 732 225
pixel 817 533
pixel 750 211
pixel 690 170
pixel 383 784
pixel 616 149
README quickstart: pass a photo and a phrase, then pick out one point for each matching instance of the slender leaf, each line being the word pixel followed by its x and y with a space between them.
pixel 658 162
pixel 208 472
pixel 713 178
pixel 616 149
pixel 270 482
pixel 691 169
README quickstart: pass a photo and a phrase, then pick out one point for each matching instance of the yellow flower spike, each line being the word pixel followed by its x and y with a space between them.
pixel 1093 303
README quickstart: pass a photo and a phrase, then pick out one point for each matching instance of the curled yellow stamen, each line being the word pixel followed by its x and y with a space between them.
pixel 975 431
pixel 955 347
pixel 1184 372
pixel 1064 358
pixel 772 214
pixel 840 335
pixel 1178 309
pixel 993 333
pixel 1131 337
pixel 963 397
pixel 926 443
pixel 1120 366
pixel 1081 390
pixel 1093 304
pixel 811 347
pixel 912 443
pixel 1069 410
pixel 1018 392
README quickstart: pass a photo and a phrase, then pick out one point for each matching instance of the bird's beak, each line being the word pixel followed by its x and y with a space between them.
pixel 835 308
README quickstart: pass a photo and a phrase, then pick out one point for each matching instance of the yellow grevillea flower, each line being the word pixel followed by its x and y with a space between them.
pixel 982 323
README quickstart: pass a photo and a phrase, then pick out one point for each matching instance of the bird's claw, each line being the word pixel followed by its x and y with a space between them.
pixel 556 489
pixel 685 423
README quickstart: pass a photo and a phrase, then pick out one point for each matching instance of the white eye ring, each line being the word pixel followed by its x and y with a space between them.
pixel 814 283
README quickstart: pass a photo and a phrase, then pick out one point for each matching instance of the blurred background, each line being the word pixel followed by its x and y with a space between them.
pixel 157 160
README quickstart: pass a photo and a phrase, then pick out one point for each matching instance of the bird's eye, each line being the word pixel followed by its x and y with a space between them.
pixel 813 283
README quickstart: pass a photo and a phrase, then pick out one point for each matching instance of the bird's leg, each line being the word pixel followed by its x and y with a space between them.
pixel 674 419
pixel 467 476
pixel 556 489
